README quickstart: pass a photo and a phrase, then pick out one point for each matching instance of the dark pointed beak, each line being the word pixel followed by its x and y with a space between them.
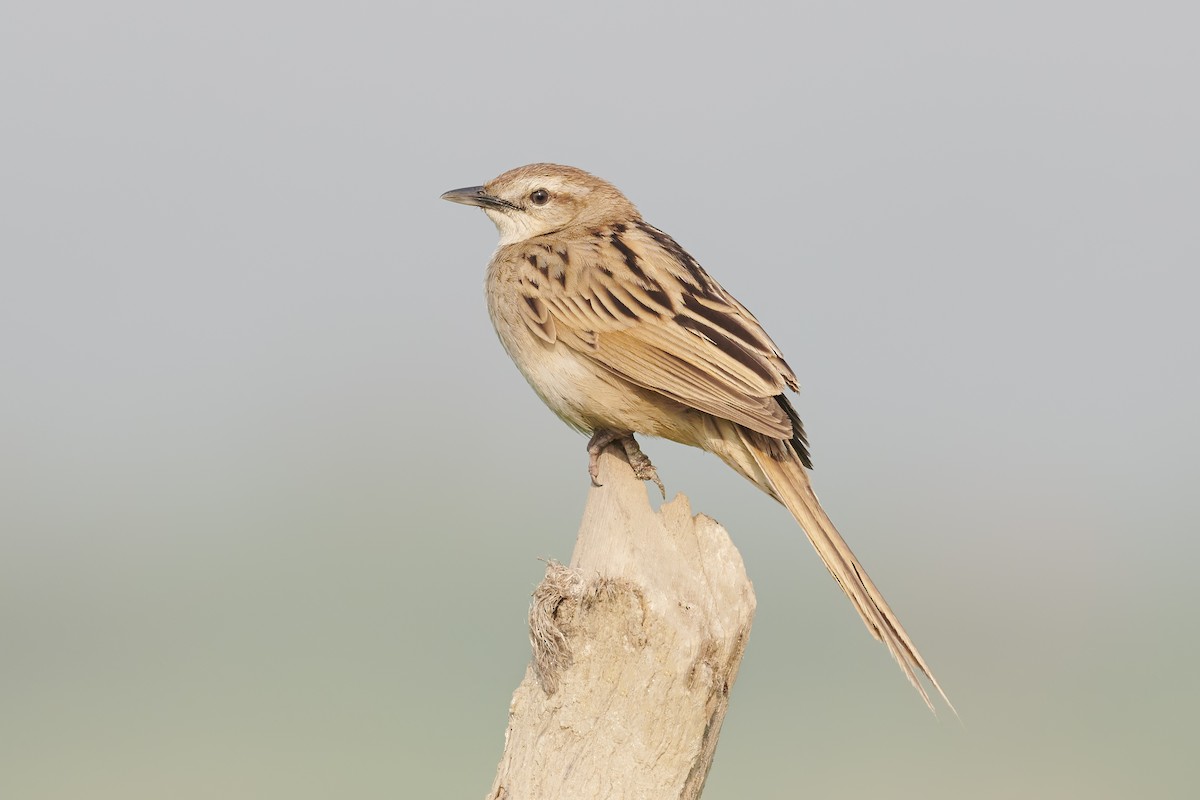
pixel 476 196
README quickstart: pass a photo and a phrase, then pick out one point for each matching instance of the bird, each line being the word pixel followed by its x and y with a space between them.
pixel 621 332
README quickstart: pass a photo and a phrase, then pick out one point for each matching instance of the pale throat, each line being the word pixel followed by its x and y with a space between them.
pixel 512 229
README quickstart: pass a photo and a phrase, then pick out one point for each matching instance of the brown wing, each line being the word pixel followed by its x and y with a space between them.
pixel 629 297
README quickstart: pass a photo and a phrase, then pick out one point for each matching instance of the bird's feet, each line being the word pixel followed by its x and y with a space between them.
pixel 639 461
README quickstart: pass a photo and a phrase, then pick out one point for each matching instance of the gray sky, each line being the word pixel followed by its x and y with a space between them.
pixel 274 496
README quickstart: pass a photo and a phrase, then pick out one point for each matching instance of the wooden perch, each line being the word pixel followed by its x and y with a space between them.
pixel 635 648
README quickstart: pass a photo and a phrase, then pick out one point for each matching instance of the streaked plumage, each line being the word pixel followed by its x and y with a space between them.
pixel 619 330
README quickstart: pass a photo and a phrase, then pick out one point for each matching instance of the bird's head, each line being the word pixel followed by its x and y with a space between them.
pixel 538 199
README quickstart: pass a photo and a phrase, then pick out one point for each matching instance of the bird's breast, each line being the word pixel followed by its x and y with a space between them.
pixel 583 393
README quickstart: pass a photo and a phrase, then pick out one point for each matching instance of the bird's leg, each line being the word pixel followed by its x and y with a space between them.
pixel 600 440
pixel 639 461
pixel 642 468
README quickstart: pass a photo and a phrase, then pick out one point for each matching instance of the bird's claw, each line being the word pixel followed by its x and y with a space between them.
pixel 600 440
pixel 643 469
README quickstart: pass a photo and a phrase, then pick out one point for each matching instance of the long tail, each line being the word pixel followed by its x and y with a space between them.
pixel 776 468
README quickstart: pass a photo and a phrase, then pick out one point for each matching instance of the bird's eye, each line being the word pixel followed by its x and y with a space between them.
pixel 539 197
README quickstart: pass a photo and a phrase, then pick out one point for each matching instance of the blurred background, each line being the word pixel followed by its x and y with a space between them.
pixel 272 498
